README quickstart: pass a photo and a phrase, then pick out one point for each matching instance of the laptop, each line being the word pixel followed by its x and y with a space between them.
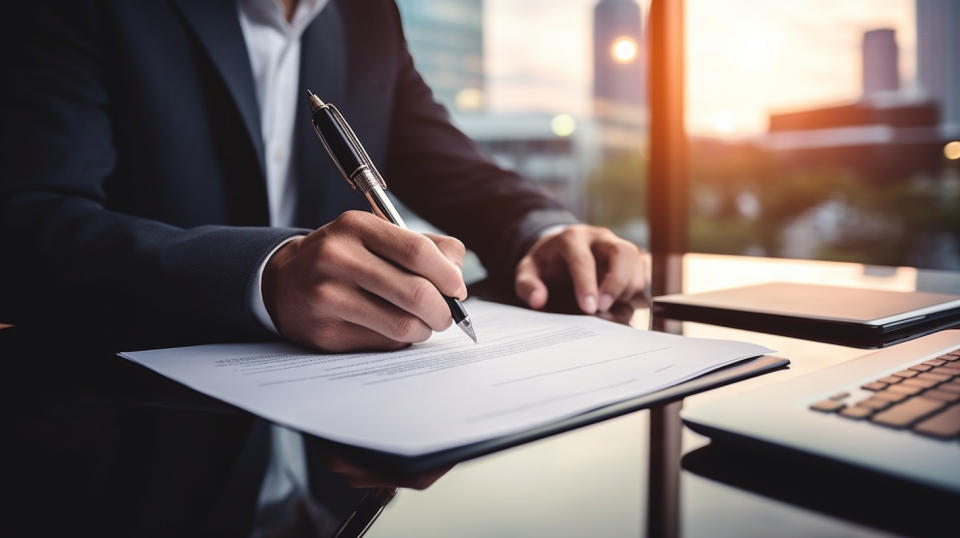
pixel 856 317
pixel 895 412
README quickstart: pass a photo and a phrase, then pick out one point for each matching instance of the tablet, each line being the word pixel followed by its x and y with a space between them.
pixel 859 317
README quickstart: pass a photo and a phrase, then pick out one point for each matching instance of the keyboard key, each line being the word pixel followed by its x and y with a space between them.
pixel 949 358
pixel 892 397
pixel 875 386
pixel 906 373
pixel 945 424
pixel 840 395
pixel 922 383
pixel 874 403
pixel 908 412
pixel 953 386
pixel 955 352
pixel 939 378
pixel 934 362
pixel 906 389
pixel 856 412
pixel 920 368
pixel 890 379
pixel 945 370
pixel 942 395
pixel 828 406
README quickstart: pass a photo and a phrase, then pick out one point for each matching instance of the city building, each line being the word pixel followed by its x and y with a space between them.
pixel 446 41
pixel 558 152
pixel 889 138
pixel 881 72
pixel 619 64
pixel 938 59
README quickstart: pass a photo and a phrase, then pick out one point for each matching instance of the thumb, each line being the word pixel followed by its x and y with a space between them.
pixel 528 285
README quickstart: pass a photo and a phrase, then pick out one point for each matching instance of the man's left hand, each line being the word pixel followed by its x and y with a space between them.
pixel 604 270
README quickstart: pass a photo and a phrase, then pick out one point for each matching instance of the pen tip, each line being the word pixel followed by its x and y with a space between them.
pixel 315 102
pixel 467 327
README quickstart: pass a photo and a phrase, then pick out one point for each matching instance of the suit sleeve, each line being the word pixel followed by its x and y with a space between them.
pixel 68 259
pixel 441 174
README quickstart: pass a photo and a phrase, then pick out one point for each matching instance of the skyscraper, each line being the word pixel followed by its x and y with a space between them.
pixel 619 62
pixel 938 58
pixel 446 41
pixel 880 62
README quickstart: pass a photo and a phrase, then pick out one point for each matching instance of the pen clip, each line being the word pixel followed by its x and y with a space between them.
pixel 357 146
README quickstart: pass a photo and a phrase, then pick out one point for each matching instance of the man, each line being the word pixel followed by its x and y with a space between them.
pixel 161 184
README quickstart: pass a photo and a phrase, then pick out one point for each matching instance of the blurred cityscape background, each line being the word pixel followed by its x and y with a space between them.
pixel 824 129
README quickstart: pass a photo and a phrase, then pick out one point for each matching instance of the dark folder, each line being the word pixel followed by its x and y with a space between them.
pixel 413 465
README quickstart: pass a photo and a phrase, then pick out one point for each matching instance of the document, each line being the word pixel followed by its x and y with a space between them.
pixel 528 369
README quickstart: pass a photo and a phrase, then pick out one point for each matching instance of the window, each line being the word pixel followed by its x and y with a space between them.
pixel 553 90
pixel 825 129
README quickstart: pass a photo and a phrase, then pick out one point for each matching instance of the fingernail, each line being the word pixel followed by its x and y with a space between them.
pixel 606 301
pixel 591 304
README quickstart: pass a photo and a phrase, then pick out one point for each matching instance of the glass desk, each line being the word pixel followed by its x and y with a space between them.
pixel 90 457
pixel 624 477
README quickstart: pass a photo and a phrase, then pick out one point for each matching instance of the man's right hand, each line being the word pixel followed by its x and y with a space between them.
pixel 362 283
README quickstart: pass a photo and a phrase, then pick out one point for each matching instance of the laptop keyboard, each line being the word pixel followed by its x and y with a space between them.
pixel 924 398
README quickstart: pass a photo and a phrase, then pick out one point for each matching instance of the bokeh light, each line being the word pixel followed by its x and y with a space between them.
pixel 952 150
pixel 624 49
pixel 563 125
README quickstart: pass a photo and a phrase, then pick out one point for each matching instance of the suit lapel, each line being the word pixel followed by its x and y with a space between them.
pixel 217 27
pixel 323 69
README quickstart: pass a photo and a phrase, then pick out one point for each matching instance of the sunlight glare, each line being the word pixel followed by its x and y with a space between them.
pixel 724 122
pixel 756 51
pixel 624 49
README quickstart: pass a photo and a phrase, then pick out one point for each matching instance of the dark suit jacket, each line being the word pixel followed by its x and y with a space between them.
pixel 132 195
pixel 133 212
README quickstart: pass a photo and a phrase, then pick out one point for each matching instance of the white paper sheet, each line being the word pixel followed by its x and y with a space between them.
pixel 529 369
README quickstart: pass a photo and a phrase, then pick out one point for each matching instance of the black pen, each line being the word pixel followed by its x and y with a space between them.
pixel 348 155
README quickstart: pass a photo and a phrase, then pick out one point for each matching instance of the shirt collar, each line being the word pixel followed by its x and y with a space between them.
pixel 270 13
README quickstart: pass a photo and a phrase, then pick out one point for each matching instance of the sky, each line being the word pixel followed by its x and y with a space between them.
pixel 745 58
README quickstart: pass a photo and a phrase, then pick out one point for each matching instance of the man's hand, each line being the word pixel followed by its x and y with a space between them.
pixel 603 269
pixel 361 283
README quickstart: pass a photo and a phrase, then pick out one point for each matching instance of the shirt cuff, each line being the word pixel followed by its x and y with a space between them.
pixel 553 230
pixel 256 295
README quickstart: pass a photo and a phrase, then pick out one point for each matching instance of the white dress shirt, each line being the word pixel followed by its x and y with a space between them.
pixel 273 45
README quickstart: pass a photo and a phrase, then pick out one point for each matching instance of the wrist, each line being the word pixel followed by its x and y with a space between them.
pixel 272 274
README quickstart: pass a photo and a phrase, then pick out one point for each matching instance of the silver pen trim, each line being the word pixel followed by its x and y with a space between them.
pixel 367 179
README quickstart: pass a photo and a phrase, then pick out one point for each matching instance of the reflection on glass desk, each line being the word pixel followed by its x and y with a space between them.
pixel 639 474
pixel 624 478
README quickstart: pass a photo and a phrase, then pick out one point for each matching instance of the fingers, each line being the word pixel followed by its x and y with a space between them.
pixel 585 254
pixel 624 274
pixel 396 324
pixel 349 319
pixel 336 336
pixel 583 270
pixel 408 293
pixel 528 285
pixel 451 247
pixel 344 271
pixel 412 251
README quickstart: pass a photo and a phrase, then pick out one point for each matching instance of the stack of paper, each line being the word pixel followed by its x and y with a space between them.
pixel 529 369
